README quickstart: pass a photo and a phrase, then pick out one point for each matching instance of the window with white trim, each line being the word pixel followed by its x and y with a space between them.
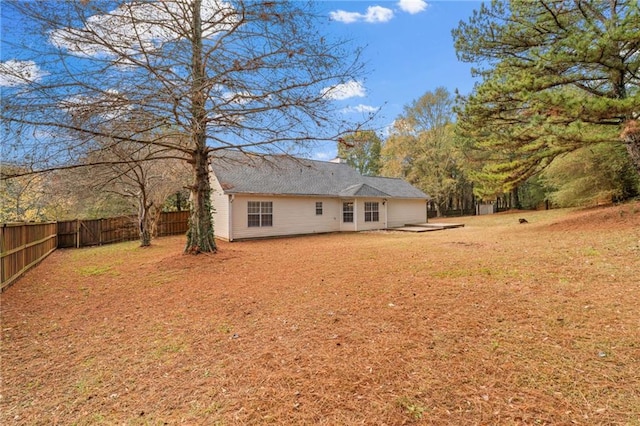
pixel 371 212
pixel 318 208
pixel 259 213
pixel 347 212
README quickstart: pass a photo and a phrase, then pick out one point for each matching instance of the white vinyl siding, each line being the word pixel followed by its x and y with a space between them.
pixel 221 205
pixel 297 215
pixel 291 216
pixel 362 224
pixel 404 211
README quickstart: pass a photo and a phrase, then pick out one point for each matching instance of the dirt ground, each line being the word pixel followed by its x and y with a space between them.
pixel 496 323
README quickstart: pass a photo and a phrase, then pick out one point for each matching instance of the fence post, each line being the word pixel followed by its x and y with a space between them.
pixel 23 242
pixel 77 233
pixel 2 250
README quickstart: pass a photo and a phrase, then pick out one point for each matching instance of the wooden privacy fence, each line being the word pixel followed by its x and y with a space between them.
pixel 173 223
pixel 22 246
pixel 82 233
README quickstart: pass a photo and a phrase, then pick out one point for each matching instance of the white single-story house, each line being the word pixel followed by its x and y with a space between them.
pixel 257 196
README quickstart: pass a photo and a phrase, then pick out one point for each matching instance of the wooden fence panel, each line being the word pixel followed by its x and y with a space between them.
pixel 173 223
pixel 119 229
pixel 22 246
pixel 90 232
pixel 82 233
pixel 68 234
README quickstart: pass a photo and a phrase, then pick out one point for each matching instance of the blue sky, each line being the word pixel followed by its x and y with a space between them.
pixel 409 51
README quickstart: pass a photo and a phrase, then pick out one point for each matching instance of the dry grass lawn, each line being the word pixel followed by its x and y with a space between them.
pixel 496 323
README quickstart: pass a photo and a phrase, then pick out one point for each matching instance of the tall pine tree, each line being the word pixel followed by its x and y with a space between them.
pixel 555 77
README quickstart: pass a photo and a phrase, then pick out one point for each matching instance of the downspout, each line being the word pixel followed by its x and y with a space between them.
pixel 229 217
pixel 386 216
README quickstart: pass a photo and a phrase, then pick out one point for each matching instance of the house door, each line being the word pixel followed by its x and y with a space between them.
pixel 347 222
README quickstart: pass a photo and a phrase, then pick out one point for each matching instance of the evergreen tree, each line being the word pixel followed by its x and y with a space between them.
pixel 591 175
pixel 555 77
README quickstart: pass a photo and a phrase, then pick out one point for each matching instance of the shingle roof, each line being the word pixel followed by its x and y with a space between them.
pixel 362 190
pixel 284 175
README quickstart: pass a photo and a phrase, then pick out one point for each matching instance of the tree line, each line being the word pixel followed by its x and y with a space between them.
pixel 429 148
pixel 553 118
pixel 129 100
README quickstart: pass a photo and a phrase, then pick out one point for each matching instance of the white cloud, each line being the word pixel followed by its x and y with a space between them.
pixel 136 27
pixel 351 89
pixel 361 108
pixel 109 105
pixel 413 6
pixel 374 14
pixel 324 155
pixel 238 98
pixel 345 17
pixel 378 14
pixel 17 73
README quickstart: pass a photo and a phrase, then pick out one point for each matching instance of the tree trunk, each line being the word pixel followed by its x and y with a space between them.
pixel 144 223
pixel 438 209
pixel 631 138
pixel 200 237
pixel 179 201
pixel 155 214
pixel 145 237
pixel 515 199
pixel 200 234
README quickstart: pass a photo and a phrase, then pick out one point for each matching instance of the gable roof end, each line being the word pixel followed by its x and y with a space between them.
pixel 362 190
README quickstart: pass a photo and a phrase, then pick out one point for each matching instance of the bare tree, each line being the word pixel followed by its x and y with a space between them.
pixel 255 75
pixel 133 173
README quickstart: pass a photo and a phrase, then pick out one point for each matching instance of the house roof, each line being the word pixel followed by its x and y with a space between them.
pixel 240 173
pixel 362 190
